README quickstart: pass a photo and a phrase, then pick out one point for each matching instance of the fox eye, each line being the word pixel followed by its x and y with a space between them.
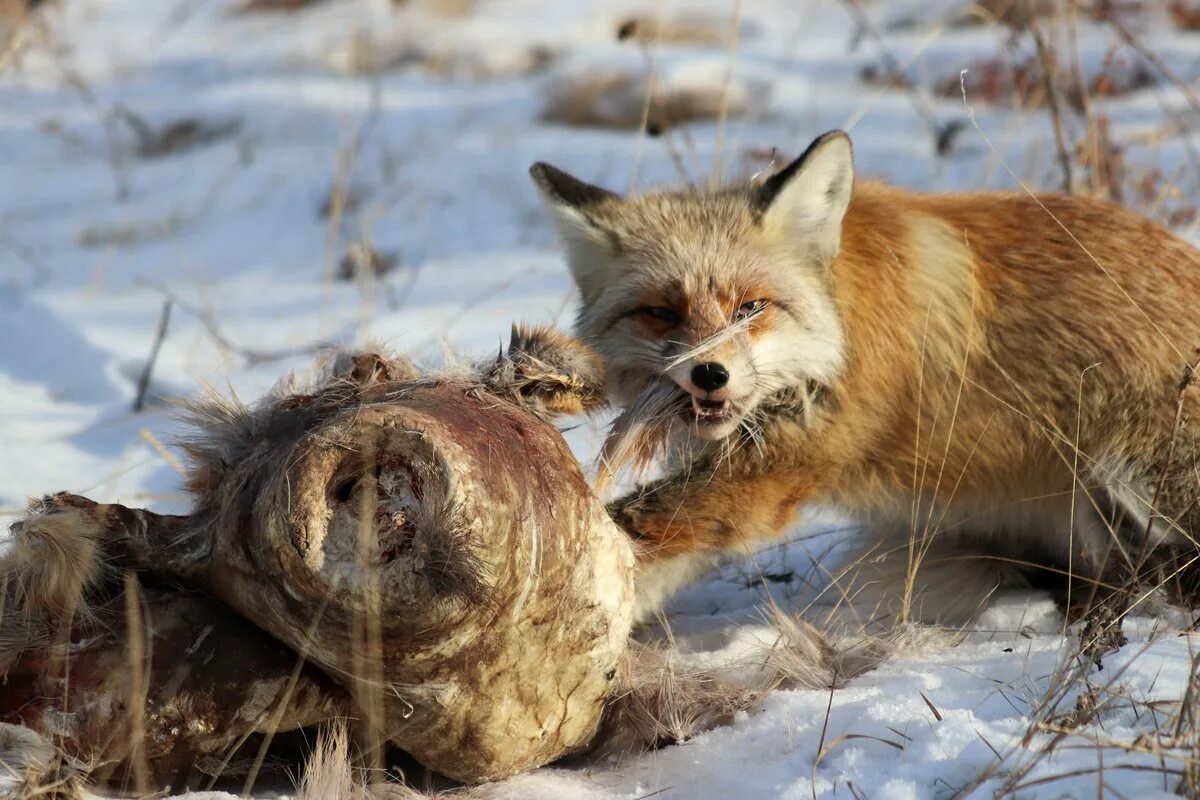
pixel 749 309
pixel 660 313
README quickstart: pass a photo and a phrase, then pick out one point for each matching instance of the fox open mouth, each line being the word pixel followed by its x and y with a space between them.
pixel 709 412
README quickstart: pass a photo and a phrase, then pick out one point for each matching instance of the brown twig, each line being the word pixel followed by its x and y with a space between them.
pixel 1155 60
pixel 726 84
pixel 139 658
pixel 143 384
pixel 108 120
pixel 649 102
pixel 252 356
pixel 345 161
pixel 1189 784
pixel 1088 149
pixel 892 64
pixel 821 741
pixel 1049 70
pixel 1189 374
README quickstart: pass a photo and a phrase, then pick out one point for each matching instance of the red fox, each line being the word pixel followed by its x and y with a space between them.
pixel 991 383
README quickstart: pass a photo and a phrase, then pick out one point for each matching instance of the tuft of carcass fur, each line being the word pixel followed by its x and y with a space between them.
pixel 225 430
pixel 329 769
pixel 547 371
pixel 51 574
pixel 53 561
pixel 660 701
pixel 39 768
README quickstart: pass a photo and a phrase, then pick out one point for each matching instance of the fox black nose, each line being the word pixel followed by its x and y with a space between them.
pixel 710 376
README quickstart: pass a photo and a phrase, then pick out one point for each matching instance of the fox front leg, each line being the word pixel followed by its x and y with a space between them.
pixel 686 523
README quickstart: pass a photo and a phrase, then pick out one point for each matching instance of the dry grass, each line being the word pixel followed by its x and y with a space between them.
pixel 1037 69
pixel 617 99
pixel 1022 84
pixel 1016 16
pixel 447 9
pixel 14 12
pixel 659 700
pixel 335 769
pixel 181 135
pixel 20 28
pixel 475 64
pixel 804 657
pixel 683 27
pixel 364 54
pixel 360 259
pixel 253 6
pixel 329 771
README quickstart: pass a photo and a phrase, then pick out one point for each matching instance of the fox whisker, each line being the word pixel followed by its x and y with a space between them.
pixel 711 342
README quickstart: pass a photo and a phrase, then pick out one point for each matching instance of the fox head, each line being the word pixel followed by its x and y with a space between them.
pixel 720 296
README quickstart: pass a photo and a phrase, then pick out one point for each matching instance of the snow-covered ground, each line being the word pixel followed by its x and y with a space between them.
pixel 419 126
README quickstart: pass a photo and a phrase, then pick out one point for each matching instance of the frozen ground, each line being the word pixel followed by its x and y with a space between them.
pixel 430 155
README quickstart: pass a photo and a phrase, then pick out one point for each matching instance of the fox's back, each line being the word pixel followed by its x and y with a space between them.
pixel 1036 323
pixel 1079 284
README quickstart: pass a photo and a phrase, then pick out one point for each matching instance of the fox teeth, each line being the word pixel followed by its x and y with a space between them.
pixel 706 411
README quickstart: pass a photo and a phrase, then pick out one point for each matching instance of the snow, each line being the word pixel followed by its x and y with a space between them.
pixel 94 237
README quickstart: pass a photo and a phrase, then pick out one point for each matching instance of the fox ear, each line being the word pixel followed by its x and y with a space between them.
pixel 560 188
pixel 591 246
pixel 809 197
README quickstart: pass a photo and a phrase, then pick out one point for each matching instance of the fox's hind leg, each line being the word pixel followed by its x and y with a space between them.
pixel 891 578
pixel 947 569
pixel 1156 504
